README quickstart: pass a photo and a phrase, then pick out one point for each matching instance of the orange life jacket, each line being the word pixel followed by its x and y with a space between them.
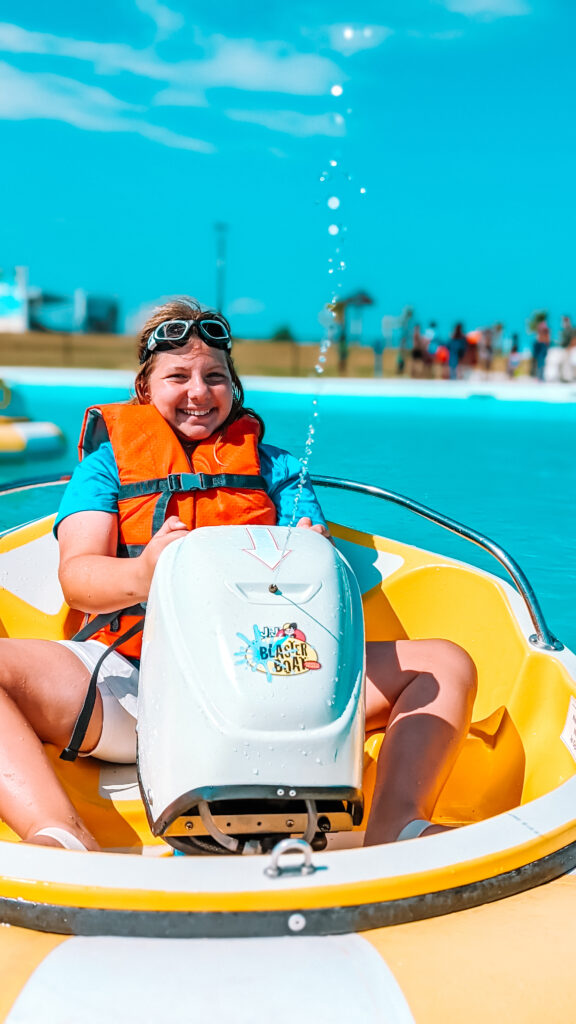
pixel 220 484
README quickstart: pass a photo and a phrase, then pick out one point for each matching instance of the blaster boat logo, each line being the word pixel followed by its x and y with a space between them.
pixel 278 651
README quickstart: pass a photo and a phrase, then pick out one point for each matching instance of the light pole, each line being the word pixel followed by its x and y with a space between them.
pixel 221 230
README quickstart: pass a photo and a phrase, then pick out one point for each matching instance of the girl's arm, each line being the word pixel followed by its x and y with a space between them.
pixel 92 578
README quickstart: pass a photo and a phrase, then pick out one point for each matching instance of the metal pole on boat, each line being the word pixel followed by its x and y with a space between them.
pixel 542 638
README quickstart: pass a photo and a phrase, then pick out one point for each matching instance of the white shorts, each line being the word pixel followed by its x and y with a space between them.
pixel 118 686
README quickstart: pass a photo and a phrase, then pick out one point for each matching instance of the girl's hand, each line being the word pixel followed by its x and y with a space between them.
pixel 306 524
pixel 173 529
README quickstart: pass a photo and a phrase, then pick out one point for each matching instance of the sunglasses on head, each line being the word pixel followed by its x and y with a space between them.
pixel 175 333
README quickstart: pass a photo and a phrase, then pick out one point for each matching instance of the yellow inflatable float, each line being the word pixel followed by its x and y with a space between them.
pixel 21 436
pixel 465 925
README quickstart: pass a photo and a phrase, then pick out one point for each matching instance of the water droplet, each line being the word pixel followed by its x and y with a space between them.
pixel 362 191
pixel 348 32
pixel 343 265
pixel 319 369
pixel 330 271
pixel 301 725
pixel 255 771
pixel 333 202
pixel 333 163
pixel 336 90
pixel 333 229
pixel 338 119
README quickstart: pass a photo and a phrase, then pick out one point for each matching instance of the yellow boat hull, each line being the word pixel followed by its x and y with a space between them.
pixel 455 926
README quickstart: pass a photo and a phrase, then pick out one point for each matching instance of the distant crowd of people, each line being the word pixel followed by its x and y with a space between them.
pixel 425 353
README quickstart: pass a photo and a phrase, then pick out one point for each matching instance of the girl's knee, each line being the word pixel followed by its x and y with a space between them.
pixel 456 666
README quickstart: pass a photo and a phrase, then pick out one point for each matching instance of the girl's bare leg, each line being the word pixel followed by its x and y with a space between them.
pixel 42 689
pixel 422 692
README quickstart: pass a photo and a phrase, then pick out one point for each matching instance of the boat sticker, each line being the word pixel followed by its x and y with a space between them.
pixel 278 651
pixel 568 734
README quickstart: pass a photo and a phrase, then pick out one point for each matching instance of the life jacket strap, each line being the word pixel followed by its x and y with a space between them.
pixel 178 483
pixel 70 753
pixel 184 483
pixel 106 619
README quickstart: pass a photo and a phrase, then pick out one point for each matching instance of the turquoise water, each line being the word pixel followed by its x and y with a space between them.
pixel 503 468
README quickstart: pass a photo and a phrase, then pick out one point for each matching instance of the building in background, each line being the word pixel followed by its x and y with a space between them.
pixel 25 308
pixel 14 313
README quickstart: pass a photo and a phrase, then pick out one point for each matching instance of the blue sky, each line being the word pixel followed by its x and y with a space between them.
pixel 130 128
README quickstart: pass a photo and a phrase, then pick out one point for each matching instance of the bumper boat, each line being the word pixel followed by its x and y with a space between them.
pixel 257 771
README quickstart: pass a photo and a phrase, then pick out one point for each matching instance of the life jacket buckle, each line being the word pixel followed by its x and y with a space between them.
pixel 174 482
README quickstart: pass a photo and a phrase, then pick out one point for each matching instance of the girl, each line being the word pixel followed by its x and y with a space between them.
pixel 128 497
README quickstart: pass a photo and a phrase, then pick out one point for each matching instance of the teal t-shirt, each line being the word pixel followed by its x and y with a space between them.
pixel 95 483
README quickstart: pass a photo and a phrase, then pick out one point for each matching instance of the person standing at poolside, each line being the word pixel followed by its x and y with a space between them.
pixel 541 346
pixel 418 353
pixel 456 350
pixel 567 340
pixel 404 339
pixel 567 332
pixel 514 357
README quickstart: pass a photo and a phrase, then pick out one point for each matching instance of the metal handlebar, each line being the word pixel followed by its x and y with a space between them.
pixel 543 637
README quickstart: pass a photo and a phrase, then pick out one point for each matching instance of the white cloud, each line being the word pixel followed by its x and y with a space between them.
pixel 263 67
pixel 24 96
pixel 107 58
pixel 245 307
pixel 291 122
pixel 180 98
pixel 488 8
pixel 166 20
pixel 233 63
pixel 243 64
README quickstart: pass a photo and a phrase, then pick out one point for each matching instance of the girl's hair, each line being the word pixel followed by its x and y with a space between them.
pixel 184 308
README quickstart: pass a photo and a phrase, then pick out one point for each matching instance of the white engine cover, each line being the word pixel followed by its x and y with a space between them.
pixel 245 691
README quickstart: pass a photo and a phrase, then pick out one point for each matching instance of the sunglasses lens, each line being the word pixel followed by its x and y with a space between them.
pixel 214 330
pixel 171 330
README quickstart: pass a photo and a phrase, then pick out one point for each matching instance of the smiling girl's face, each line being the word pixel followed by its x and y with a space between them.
pixel 191 388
